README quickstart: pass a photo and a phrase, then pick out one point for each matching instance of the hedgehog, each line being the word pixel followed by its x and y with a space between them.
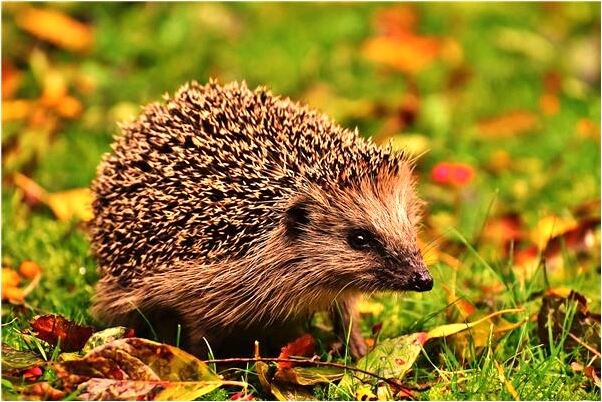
pixel 231 215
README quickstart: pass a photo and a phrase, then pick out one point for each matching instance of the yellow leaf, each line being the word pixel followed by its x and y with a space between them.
pixel 16 109
pixel 55 27
pixel 450 329
pixel 364 393
pixel 10 278
pixel 549 227
pixel 76 203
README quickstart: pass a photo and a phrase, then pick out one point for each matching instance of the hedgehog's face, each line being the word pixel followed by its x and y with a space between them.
pixel 363 239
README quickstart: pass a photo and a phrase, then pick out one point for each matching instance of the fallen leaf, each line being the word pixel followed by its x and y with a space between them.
pixel 55 27
pixel 549 104
pixel 510 124
pixel 41 391
pixel 11 80
pixel 10 278
pixel 391 359
pixel 451 329
pixel 105 336
pixel 54 328
pixel 15 362
pixel 16 109
pixel 29 269
pixel 134 368
pixel 309 375
pixel 13 295
pixel 455 174
pixel 292 392
pixel 33 373
pixel 583 330
pixel 33 193
pixel 302 346
pixel 66 205
pixel 588 129
pixel 404 52
pixel 364 393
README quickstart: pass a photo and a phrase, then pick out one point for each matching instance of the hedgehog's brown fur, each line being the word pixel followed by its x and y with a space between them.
pixel 230 211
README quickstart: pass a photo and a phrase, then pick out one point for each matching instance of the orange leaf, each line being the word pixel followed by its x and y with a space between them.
pixel 10 278
pixel 16 109
pixel 14 295
pixel 11 80
pixel 29 269
pixel 56 28
pixel 512 123
pixel 549 104
pixel 69 107
pixel 404 52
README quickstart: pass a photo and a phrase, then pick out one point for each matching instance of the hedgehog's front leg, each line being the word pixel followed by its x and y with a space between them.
pixel 346 325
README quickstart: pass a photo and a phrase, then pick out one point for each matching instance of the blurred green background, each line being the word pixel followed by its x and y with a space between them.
pixel 509 92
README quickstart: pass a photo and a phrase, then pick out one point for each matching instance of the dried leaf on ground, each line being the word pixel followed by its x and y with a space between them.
pixel 134 368
pixel 309 375
pixel 75 203
pixel 302 346
pixel 510 124
pixel 54 328
pixel 55 27
pixel 41 391
pixel 66 205
pixel 583 331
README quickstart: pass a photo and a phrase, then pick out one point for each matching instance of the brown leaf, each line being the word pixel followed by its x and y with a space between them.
pixel 52 328
pixel 134 368
pixel 512 123
pixel 584 332
pixel 41 391
pixel 55 27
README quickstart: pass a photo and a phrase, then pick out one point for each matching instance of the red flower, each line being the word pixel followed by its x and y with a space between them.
pixel 455 174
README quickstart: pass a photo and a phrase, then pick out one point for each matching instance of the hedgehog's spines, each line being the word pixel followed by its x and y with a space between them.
pixel 199 176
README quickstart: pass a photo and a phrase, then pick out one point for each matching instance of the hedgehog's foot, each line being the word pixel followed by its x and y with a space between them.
pixel 346 324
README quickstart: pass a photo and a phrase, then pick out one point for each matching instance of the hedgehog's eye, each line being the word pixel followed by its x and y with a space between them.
pixel 361 239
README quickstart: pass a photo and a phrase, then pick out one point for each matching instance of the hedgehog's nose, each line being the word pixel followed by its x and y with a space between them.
pixel 421 281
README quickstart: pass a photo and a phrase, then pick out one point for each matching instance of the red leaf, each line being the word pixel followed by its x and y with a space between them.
pixel 456 174
pixel 52 328
pixel 302 346
pixel 33 373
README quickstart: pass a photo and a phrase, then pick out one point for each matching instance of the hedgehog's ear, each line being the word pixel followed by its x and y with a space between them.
pixel 295 218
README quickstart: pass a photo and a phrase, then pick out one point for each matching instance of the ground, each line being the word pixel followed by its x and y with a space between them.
pixel 500 102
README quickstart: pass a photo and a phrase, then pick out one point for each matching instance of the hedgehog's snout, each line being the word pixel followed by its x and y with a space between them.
pixel 420 280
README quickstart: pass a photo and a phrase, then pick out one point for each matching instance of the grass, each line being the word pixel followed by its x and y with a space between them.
pixel 496 59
